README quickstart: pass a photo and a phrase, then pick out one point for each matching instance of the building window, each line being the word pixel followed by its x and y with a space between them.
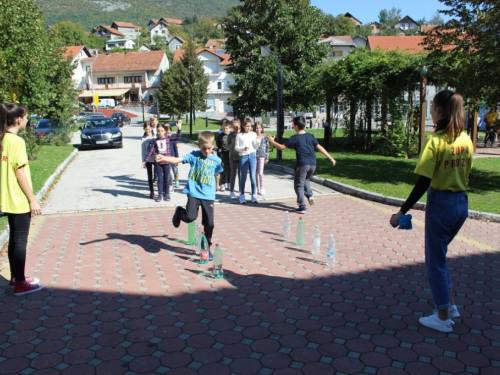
pixel 102 81
pixel 132 79
pixel 219 85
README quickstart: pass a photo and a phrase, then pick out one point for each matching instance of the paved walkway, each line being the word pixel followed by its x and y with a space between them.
pixel 125 295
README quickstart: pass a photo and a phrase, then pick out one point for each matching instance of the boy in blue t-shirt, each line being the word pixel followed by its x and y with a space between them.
pixel 200 188
pixel 305 146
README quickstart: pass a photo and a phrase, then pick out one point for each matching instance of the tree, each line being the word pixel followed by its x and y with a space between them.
pixel 69 34
pixel 465 48
pixel 365 31
pixel 172 94
pixel 436 19
pixel 291 30
pixel 32 68
pixel 388 20
pixel 339 25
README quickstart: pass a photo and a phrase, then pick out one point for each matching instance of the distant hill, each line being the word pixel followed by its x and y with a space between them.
pixel 91 13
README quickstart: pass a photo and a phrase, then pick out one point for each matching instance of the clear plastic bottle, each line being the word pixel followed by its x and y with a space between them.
pixel 300 235
pixel 316 241
pixel 218 271
pixel 203 249
pixel 330 251
pixel 197 238
pixel 287 223
pixel 192 233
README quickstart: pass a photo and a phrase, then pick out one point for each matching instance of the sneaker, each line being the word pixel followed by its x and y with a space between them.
pixel 311 200
pixel 152 195
pixel 232 195
pixel 31 280
pixel 300 210
pixel 242 199
pixel 176 219
pixel 177 184
pixel 159 198
pixel 254 199
pixel 452 311
pixel 22 287
pixel 222 188
pixel 433 322
pixel 262 191
pixel 167 198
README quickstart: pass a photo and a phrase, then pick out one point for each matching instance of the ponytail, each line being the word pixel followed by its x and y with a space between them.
pixel 9 113
pixel 453 121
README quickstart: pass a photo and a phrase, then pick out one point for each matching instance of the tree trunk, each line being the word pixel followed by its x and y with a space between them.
pixel 352 119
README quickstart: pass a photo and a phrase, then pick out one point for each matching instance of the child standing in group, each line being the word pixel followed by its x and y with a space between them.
pixel 146 144
pixel 305 145
pixel 223 153
pixel 234 157
pixel 162 146
pixel 200 188
pixel 16 195
pixel 262 156
pixel 246 145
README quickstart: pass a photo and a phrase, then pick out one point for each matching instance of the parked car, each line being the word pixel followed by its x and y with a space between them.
pixel 82 116
pixel 45 127
pixel 121 119
pixel 100 132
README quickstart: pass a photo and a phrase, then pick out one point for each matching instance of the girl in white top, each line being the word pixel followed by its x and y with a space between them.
pixel 246 145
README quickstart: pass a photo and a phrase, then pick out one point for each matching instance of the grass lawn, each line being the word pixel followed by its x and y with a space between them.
pixel 49 158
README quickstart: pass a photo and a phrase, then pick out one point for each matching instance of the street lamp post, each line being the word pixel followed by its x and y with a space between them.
pixel 423 106
pixel 265 51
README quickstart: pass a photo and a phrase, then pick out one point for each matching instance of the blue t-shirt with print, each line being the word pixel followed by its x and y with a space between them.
pixel 305 146
pixel 201 178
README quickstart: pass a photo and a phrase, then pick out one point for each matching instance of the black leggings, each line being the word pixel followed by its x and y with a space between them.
pixel 149 168
pixel 19 225
pixel 190 213
pixel 163 171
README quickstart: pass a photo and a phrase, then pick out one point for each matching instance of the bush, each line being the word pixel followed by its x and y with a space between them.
pixel 33 143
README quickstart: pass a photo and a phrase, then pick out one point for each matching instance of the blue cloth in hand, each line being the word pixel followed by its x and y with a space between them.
pixel 405 222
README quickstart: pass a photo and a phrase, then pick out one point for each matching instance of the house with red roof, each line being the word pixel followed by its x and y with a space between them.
pixel 409 44
pixel 128 29
pixel 75 54
pixel 219 91
pixel 159 28
pixel 107 32
pixel 128 76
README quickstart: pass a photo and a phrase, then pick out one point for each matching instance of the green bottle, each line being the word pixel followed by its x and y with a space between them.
pixel 204 249
pixel 300 235
pixel 191 233
pixel 218 271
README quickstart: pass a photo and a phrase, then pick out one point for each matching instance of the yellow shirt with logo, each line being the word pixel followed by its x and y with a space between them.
pixel 490 118
pixel 14 156
pixel 446 163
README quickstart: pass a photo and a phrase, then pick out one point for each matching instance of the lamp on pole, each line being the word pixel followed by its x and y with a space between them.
pixel 423 106
pixel 265 51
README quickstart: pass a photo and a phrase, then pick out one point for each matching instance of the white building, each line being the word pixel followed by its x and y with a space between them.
pixel 76 54
pixel 159 28
pixel 129 30
pixel 119 43
pixel 407 23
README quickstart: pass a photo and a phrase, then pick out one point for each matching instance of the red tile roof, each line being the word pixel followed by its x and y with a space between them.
pixel 110 29
pixel 128 61
pixel 172 20
pixel 225 58
pixel 411 44
pixel 72 51
pixel 215 43
pixel 124 24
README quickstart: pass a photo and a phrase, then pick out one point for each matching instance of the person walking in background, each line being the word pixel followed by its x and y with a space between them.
pixel 444 168
pixel 246 145
pixel 234 158
pixel 262 154
pixel 305 145
pixel 200 188
pixel 16 195
pixel 146 143
pixel 162 146
pixel 223 153
pixel 491 120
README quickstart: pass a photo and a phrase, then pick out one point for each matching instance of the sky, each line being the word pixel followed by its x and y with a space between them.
pixel 367 11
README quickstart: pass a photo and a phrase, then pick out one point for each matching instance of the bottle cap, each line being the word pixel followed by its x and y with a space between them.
pixel 216 244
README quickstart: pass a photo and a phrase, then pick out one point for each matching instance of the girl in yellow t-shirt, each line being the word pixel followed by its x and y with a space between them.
pixel 16 195
pixel 443 167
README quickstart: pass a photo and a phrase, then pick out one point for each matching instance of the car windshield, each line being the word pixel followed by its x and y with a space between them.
pixel 44 124
pixel 100 123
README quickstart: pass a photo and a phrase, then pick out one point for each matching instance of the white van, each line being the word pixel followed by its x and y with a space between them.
pixel 106 103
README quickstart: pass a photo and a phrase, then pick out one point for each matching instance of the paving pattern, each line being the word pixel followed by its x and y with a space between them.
pixel 125 295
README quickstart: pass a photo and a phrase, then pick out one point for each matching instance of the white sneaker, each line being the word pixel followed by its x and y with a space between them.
pixel 242 199
pixel 433 322
pixel 310 200
pixel 452 311
pixel 262 191
pixel 254 199
pixel 222 188
pixel 232 195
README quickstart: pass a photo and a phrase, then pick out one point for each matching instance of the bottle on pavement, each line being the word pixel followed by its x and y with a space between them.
pixel 192 233
pixel 197 238
pixel 316 240
pixel 204 249
pixel 218 269
pixel 300 235
pixel 330 251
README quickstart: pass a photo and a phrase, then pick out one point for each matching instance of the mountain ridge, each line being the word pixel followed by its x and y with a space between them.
pixel 91 13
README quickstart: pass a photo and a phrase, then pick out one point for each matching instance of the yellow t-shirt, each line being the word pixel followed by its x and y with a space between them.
pixel 447 164
pixel 12 197
pixel 490 118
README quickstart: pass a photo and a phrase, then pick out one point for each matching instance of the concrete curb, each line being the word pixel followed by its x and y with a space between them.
pixel 4 235
pixel 368 195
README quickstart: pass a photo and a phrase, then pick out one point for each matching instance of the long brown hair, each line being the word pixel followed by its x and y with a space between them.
pixel 9 113
pixel 453 121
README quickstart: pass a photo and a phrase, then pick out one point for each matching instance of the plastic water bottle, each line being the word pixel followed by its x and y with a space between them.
pixel 192 233
pixel 218 269
pixel 316 241
pixel 300 235
pixel 330 251
pixel 197 238
pixel 203 249
pixel 287 222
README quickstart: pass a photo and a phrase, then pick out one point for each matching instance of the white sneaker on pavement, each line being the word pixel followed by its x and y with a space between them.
pixel 254 199
pixel 433 322
pixel 242 199
pixel 232 195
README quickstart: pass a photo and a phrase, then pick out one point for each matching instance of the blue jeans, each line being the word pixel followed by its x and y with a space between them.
pixel 445 213
pixel 246 162
pixel 302 184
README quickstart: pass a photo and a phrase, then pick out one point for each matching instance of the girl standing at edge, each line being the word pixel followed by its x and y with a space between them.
pixel 262 156
pixel 147 141
pixel 246 145
pixel 443 167
pixel 17 199
pixel 234 157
